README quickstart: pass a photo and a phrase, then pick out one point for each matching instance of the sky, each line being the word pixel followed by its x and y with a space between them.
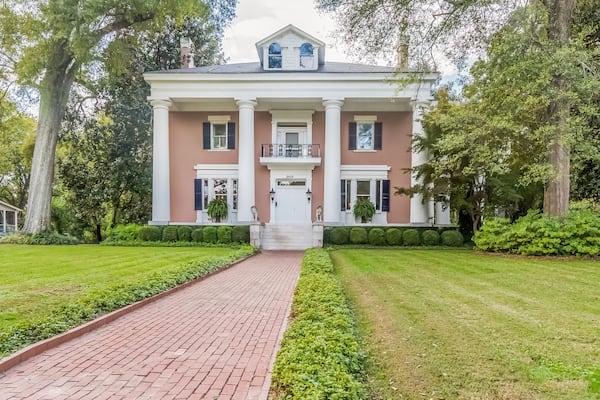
pixel 257 19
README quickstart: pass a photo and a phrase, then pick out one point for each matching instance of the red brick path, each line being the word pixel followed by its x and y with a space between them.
pixel 213 340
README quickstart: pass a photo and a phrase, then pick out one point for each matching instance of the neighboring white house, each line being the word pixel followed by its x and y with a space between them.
pixel 9 218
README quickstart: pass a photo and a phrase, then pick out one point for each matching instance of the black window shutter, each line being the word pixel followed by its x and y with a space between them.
pixel 206 135
pixel 343 197
pixel 197 194
pixel 378 135
pixel 385 195
pixel 352 136
pixel 231 135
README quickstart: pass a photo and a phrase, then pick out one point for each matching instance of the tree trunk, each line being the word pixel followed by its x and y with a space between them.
pixel 556 194
pixel 98 232
pixel 54 93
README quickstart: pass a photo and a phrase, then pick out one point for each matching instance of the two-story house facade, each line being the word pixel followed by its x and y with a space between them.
pixel 291 138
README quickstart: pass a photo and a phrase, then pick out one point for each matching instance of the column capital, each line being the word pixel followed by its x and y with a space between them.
pixel 420 103
pixel 246 103
pixel 333 103
pixel 161 103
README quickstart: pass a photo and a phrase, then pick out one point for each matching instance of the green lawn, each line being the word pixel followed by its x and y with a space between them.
pixel 34 279
pixel 464 325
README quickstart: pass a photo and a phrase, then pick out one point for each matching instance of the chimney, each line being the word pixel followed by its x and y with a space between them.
pixel 403 55
pixel 187 53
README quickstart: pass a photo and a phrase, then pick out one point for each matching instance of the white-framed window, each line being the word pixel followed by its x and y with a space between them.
pixel 377 191
pixel 218 135
pixel 206 189
pixel 307 56
pixel 365 135
pixel 275 60
pixel 363 190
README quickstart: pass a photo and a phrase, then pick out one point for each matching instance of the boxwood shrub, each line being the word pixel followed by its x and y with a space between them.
pixel 197 235
pixel 209 234
pixel 377 237
pixel 240 234
pixel 340 235
pixel 224 234
pixel 184 234
pixel 149 234
pixel 320 356
pixel 393 236
pixel 410 237
pixel 127 232
pixel 430 237
pixel 358 235
pixel 169 234
pixel 452 238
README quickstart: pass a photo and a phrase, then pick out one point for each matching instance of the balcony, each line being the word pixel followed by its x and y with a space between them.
pixel 290 155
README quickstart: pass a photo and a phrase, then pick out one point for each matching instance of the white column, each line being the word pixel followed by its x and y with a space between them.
pixel 419 212
pixel 442 214
pixel 161 188
pixel 246 156
pixel 332 164
pixel 16 221
pixel 3 221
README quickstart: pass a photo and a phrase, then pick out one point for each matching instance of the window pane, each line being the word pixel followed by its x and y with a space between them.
pixel 274 61
pixel 220 186
pixel 205 193
pixel 306 49
pixel 364 135
pixel 274 48
pixel 348 199
pixel 363 188
pixel 219 136
pixel 235 191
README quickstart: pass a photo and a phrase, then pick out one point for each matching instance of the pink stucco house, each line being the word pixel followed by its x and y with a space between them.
pixel 296 137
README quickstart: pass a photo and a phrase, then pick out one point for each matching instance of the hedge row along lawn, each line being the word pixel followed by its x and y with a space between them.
pixel 45 290
pixel 458 324
pixel 320 356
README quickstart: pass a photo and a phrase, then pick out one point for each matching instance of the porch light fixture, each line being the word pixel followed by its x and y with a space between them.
pixel 272 193
pixel 308 194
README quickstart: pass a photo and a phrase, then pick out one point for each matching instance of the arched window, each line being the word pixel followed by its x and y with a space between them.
pixel 274 55
pixel 306 56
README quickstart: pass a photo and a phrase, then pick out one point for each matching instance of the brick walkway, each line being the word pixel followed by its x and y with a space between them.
pixel 213 340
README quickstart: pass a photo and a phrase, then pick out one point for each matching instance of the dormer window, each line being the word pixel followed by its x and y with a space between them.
pixel 307 56
pixel 274 56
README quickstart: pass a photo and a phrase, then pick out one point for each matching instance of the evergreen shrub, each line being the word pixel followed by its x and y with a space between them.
pixel 149 233
pixel 377 237
pixel 430 237
pixel 124 233
pixel 340 235
pixel 410 237
pixel 358 235
pixel 452 238
pixel 224 234
pixel 169 234
pixel 184 234
pixel 209 234
pixel 197 235
pixel 393 236
pixel 240 234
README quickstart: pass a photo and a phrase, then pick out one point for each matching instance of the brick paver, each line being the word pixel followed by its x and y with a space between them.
pixel 213 340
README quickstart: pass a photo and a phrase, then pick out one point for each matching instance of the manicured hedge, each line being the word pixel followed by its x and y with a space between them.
pixel 124 232
pixel 101 302
pixel 149 234
pixel 197 235
pixel 320 356
pixel 184 234
pixel 393 237
pixel 340 235
pixel 209 234
pixel 377 237
pixel 169 234
pixel 430 238
pixel 452 238
pixel 577 233
pixel 410 237
pixel 224 234
pixel 358 235
pixel 240 234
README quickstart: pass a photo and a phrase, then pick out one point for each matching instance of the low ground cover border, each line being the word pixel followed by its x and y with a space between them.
pixel 320 355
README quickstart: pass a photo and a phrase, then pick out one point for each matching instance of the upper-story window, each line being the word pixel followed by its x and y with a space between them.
pixel 218 133
pixel 275 56
pixel 365 134
pixel 306 56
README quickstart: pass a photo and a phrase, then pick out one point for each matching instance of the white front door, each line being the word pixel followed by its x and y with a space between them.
pixel 291 203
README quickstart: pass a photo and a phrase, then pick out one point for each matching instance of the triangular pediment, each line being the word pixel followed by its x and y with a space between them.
pixel 288 37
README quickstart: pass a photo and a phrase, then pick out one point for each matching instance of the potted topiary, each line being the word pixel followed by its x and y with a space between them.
pixel 217 209
pixel 364 210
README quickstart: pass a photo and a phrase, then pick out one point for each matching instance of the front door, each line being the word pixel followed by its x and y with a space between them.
pixel 291 204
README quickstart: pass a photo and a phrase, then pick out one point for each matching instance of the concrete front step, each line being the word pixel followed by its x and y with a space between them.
pixel 287 237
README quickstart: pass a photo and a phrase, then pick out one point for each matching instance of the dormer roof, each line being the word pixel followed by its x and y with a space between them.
pixel 294 30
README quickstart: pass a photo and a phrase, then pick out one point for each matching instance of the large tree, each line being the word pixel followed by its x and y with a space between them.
pixel 457 27
pixel 54 43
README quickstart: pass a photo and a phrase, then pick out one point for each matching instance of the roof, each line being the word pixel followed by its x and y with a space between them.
pixel 256 68
pixel 9 206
